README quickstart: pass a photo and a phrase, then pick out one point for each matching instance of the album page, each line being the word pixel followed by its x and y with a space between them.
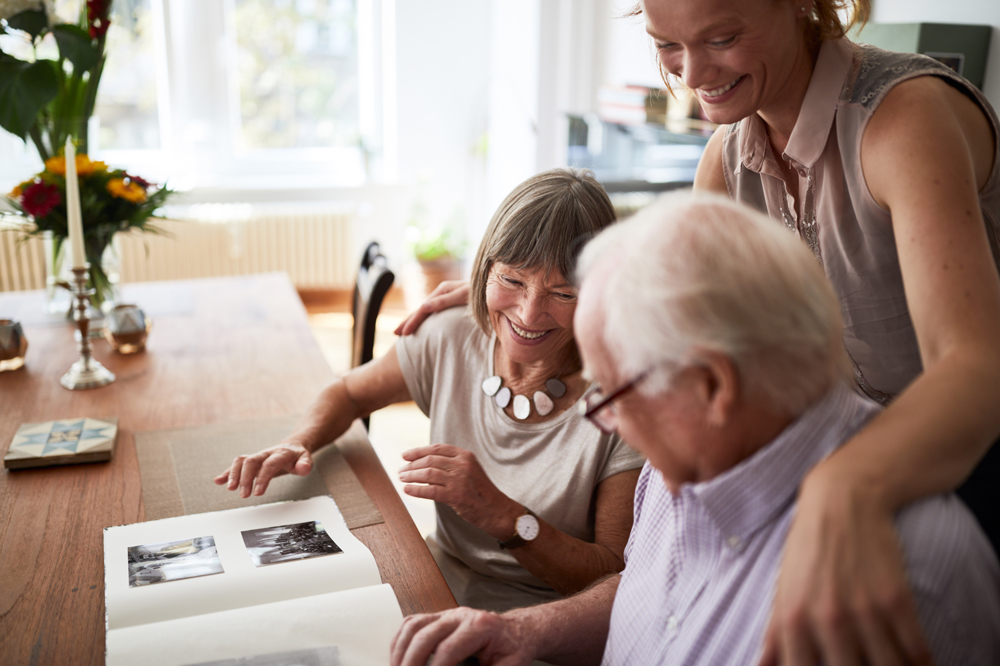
pixel 207 563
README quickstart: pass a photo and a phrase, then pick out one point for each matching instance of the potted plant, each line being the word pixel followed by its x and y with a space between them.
pixel 439 248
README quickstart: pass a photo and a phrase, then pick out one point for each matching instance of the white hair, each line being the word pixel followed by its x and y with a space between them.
pixel 696 272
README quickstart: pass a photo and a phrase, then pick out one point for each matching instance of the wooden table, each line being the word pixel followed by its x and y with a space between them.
pixel 224 349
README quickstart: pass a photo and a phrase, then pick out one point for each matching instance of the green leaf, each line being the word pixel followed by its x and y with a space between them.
pixel 75 45
pixel 25 89
pixel 32 21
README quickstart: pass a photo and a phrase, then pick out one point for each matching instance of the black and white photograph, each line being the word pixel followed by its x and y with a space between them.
pixel 284 543
pixel 324 656
pixel 172 560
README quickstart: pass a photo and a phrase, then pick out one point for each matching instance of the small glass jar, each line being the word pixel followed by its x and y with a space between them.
pixel 13 345
pixel 126 328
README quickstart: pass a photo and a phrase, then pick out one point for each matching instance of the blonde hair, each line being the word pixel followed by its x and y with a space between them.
pixel 542 224
pixel 826 17
pixel 699 272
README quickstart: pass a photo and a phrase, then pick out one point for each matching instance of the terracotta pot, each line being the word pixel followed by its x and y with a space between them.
pixel 437 271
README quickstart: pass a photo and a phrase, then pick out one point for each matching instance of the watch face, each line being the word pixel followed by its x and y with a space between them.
pixel 527 527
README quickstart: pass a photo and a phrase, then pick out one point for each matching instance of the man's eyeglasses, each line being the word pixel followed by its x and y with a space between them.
pixel 600 409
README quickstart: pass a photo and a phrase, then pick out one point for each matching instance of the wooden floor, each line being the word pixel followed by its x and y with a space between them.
pixel 394 429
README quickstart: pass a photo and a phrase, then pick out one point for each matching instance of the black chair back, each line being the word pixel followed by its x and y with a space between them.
pixel 373 282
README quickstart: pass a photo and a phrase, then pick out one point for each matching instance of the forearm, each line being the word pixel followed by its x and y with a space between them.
pixel 928 440
pixel 355 395
pixel 570 631
pixel 328 417
pixel 569 564
pixel 566 563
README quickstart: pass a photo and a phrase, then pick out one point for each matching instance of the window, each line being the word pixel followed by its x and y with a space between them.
pixel 236 94
pixel 126 112
pixel 297 68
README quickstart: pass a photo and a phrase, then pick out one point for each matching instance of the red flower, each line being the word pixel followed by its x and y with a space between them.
pixel 40 198
pixel 98 17
pixel 141 182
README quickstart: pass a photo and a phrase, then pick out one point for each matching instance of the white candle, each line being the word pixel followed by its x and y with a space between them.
pixel 77 253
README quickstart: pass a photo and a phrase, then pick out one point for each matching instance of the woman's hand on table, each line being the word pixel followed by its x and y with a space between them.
pixel 842 594
pixel 453 476
pixel 252 474
pixel 448 294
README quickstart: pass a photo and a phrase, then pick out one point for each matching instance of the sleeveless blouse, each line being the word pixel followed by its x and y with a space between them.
pixel 846 229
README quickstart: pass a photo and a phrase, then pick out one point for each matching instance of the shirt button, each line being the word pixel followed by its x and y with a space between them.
pixel 733 541
pixel 672 623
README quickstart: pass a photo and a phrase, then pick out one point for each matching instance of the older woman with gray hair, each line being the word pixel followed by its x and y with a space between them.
pixel 532 502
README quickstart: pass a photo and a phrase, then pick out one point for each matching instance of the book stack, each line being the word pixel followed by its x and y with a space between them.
pixel 632 105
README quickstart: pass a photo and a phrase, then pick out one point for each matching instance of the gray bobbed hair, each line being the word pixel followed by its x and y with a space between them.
pixel 543 224
pixel 698 272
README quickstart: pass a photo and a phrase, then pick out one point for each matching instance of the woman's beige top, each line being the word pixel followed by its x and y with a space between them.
pixel 850 234
pixel 552 467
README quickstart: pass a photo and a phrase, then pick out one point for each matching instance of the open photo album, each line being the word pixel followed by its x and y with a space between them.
pixel 283 583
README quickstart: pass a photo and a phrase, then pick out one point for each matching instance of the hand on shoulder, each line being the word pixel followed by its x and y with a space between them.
pixel 842 595
pixel 448 294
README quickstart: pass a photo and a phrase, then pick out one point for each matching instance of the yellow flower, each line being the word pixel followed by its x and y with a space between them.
pixel 84 167
pixel 130 191
pixel 56 165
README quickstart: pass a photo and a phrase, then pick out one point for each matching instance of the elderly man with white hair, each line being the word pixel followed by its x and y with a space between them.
pixel 715 340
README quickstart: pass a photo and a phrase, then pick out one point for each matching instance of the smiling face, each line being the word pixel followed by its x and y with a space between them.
pixel 738 56
pixel 531 312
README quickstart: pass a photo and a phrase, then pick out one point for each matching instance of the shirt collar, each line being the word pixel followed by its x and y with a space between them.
pixel 812 127
pixel 815 120
pixel 745 498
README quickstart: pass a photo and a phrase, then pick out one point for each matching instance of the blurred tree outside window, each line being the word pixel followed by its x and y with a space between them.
pixel 297 63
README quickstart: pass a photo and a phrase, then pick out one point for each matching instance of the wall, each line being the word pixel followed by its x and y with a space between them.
pixel 630 58
pixel 980 12
pixel 442 70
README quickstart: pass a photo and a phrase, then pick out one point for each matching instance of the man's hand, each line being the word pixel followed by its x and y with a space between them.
pixel 253 473
pixel 449 637
pixel 448 294
pixel 842 595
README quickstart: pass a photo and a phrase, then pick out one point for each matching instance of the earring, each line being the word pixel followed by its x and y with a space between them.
pixel 802 9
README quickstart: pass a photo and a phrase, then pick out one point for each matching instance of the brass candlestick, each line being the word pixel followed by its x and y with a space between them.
pixel 86 372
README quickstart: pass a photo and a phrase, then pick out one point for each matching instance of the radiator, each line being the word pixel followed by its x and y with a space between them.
pixel 313 244
pixel 22 261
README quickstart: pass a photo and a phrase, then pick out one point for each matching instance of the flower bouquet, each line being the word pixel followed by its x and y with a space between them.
pixel 111 200
pixel 48 99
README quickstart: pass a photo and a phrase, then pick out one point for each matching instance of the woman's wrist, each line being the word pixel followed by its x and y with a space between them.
pixel 839 481
pixel 505 521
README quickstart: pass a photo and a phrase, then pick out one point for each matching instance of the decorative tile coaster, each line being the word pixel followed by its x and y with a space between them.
pixel 63 442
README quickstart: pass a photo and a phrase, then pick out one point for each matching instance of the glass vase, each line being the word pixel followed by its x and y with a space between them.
pixel 58 299
pixel 105 276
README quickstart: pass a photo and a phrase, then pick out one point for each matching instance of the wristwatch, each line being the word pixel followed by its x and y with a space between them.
pixel 525 530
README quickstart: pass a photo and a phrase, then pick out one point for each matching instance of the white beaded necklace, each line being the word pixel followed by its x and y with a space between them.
pixel 493 387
